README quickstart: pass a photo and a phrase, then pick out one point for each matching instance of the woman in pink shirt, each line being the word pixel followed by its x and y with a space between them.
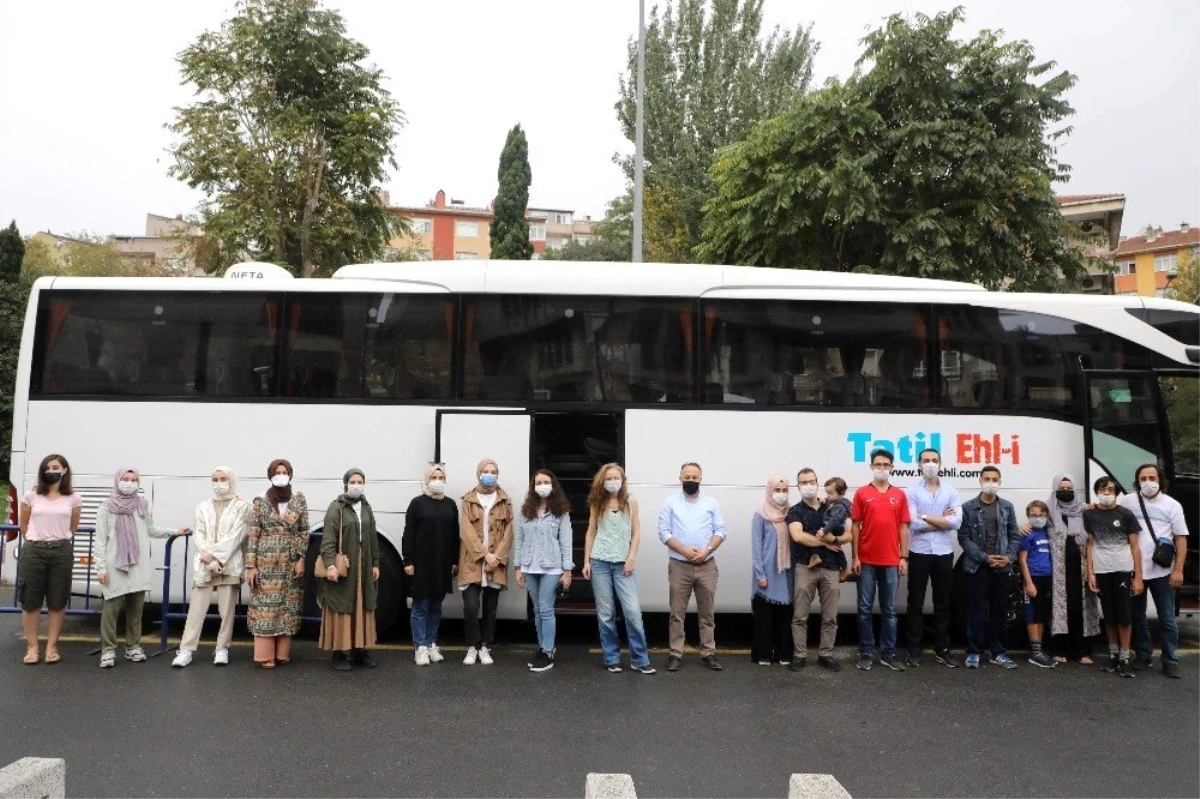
pixel 49 518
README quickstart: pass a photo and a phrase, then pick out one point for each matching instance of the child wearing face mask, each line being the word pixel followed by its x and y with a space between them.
pixel 1114 569
pixel 1037 569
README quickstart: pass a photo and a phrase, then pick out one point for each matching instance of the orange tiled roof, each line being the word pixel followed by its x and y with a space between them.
pixel 1168 240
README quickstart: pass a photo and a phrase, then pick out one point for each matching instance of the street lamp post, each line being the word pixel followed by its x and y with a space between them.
pixel 639 128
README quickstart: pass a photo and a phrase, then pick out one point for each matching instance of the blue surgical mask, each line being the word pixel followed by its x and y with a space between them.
pixel 487 480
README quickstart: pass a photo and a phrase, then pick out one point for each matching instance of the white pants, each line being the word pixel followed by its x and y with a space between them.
pixel 227 597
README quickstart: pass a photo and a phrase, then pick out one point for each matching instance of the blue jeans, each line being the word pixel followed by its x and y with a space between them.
pixel 426 619
pixel 887 580
pixel 608 583
pixel 543 588
pixel 1164 602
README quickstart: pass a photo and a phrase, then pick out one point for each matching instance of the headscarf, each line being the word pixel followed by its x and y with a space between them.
pixel 483 464
pixel 225 470
pixel 128 550
pixel 278 496
pixel 776 515
pixel 346 485
pixel 1067 516
pixel 429 470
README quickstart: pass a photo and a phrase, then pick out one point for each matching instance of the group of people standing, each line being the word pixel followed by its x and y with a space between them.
pixel 1073 559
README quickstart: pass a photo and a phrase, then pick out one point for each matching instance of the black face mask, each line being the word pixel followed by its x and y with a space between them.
pixel 691 487
pixel 53 477
pixel 1065 495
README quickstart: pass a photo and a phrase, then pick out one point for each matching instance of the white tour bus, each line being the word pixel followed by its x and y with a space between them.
pixel 568 366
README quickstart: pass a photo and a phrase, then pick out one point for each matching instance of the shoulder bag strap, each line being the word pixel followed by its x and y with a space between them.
pixel 341 510
pixel 1146 517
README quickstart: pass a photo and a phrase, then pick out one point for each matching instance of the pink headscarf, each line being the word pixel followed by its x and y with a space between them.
pixel 776 515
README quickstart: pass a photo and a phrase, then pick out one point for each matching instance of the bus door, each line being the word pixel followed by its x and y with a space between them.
pixel 464 438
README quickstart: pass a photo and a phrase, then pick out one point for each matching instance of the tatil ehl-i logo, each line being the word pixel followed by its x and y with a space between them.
pixel 966 448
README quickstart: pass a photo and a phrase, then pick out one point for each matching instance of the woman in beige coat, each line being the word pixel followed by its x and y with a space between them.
pixel 485 541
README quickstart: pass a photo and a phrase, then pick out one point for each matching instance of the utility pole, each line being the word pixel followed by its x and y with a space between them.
pixel 640 126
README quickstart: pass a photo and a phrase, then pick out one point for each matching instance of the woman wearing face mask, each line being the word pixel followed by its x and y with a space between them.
pixel 348 615
pixel 1075 611
pixel 771 592
pixel 609 553
pixel 49 517
pixel 276 546
pixel 123 532
pixel 543 546
pixel 485 541
pixel 430 546
pixel 219 534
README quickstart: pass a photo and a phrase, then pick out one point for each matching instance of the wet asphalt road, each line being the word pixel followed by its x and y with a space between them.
pixel 449 730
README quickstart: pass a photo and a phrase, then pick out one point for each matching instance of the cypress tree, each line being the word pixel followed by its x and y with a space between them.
pixel 509 234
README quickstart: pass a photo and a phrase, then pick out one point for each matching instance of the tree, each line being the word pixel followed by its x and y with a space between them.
pixel 1186 285
pixel 12 253
pixel 710 76
pixel 86 254
pixel 611 238
pixel 13 296
pixel 936 158
pixel 290 138
pixel 509 231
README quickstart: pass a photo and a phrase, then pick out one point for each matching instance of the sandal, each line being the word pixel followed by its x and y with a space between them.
pixel 1086 661
pixel 267 664
pixel 52 656
pixel 283 661
pixel 31 658
pixel 1059 659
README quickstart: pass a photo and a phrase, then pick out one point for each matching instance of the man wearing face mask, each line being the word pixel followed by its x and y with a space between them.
pixel 880 545
pixel 1163 515
pixel 691 526
pixel 990 540
pixel 807 527
pixel 936 513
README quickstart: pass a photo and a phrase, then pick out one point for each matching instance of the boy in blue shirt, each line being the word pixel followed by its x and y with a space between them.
pixel 1038 570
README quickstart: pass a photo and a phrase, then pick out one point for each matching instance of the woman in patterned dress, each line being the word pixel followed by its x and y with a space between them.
pixel 275 550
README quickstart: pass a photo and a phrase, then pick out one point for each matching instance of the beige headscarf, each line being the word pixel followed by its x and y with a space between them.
pixel 429 470
pixel 776 516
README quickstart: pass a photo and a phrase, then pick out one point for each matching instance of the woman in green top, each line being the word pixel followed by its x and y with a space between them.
pixel 609 554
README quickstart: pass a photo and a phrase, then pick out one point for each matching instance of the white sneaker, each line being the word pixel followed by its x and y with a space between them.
pixel 472 653
pixel 182 659
pixel 485 657
pixel 135 654
pixel 221 657
pixel 422 656
pixel 108 659
pixel 435 654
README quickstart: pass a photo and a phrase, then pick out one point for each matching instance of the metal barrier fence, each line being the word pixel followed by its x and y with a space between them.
pixel 86 559
pixel 168 614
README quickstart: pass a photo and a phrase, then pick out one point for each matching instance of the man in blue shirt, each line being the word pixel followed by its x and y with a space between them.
pixel 691 526
pixel 936 513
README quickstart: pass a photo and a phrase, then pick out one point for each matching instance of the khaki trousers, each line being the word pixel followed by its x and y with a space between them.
pixel 227 597
pixel 132 605
pixel 683 578
pixel 809 582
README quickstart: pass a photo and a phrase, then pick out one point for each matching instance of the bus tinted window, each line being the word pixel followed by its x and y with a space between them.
pixel 578 349
pixel 155 344
pixel 769 352
pixel 1017 360
pixel 1182 326
pixel 354 346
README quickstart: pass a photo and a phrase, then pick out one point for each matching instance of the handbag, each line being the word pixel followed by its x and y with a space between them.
pixel 340 561
pixel 1164 548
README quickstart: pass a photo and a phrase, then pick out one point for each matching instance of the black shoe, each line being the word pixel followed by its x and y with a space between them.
pixel 541 662
pixel 892 662
pixel 946 659
pixel 829 663
pixel 1124 669
pixel 1142 665
pixel 1171 670
pixel 341 662
pixel 913 659
pixel 1110 665
pixel 673 662
pixel 864 662
pixel 363 658
pixel 710 662
pixel 613 668
pixel 797 664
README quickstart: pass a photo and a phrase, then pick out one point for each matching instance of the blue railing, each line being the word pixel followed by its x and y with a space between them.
pixel 88 560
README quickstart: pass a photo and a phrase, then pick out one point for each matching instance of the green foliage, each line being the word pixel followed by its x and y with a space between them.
pixel 509 231
pixel 87 255
pixel 611 238
pixel 936 158
pixel 12 253
pixel 290 138
pixel 710 76
pixel 1186 285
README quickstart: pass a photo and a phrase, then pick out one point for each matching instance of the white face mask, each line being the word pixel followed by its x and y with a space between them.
pixel 281 480
pixel 543 490
pixel 354 490
pixel 1037 522
pixel 1149 489
pixel 220 489
pixel 929 470
pixel 437 487
pixel 612 486
pixel 128 487
pixel 808 492
pixel 989 489
pixel 882 475
pixel 1107 500
pixel 780 497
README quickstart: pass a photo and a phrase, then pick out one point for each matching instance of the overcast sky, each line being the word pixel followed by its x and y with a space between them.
pixel 85 89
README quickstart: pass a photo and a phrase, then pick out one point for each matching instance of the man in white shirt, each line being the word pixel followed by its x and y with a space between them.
pixel 1164 515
